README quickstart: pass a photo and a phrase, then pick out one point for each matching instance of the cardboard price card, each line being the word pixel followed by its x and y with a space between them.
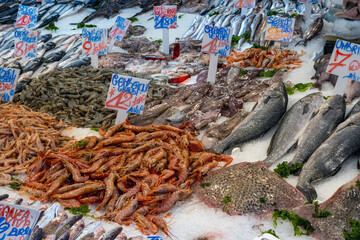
pixel 345 60
pixel 16 222
pixel 94 41
pixel 216 40
pixel 26 16
pixel 279 29
pixel 127 94
pixel 119 29
pixel 245 4
pixel 25 43
pixel 165 17
pixel 8 79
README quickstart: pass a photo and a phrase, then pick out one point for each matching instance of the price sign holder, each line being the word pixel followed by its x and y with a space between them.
pixel 216 41
pixel 8 80
pixel 126 95
pixel 345 63
pixel 165 18
pixel 118 31
pixel 279 29
pixel 94 43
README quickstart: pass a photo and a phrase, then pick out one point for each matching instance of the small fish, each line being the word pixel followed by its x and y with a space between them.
pixel 314 29
pixel 66 225
pixel 36 233
pixel 49 215
pixel 76 229
pixel 3 196
pixel 89 229
pixel 52 226
pixel 111 235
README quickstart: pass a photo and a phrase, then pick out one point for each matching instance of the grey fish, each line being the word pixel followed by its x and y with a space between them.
pixel 150 114
pixel 33 64
pixel 49 215
pixel 292 125
pixel 111 235
pixel 328 158
pixel 314 29
pixel 76 229
pixel 220 131
pixel 56 56
pixel 290 7
pixel 89 229
pixel 36 233
pixel 78 63
pixel 65 236
pixel 255 24
pixel 354 110
pixel 66 225
pixel 51 227
pixel 268 111
pixel 49 237
pixel 246 183
pixel 329 116
pixel 161 120
pixel 3 196
pixel 343 205
pixel 352 90
pixel 260 30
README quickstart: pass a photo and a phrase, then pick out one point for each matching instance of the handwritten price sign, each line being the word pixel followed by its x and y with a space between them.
pixel 25 43
pixel 94 41
pixel 26 16
pixel 245 4
pixel 279 29
pixel 345 60
pixel 216 40
pixel 16 222
pixel 127 94
pixel 165 17
pixel 8 79
pixel 119 29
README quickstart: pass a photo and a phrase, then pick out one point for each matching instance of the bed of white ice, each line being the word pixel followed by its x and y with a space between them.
pixel 191 219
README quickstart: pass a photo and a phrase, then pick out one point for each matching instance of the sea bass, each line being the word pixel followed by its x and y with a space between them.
pixel 328 158
pixel 314 29
pixel 343 205
pixel 248 188
pixel 329 116
pixel 292 125
pixel 267 112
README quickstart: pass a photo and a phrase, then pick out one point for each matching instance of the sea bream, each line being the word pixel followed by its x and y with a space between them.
pixel 329 157
pixel 248 188
pixel 267 112
pixel 329 116
pixel 292 126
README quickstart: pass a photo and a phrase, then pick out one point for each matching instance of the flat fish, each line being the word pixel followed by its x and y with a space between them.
pixel 267 112
pixel 292 125
pixel 248 188
pixel 329 116
pixel 327 159
pixel 343 205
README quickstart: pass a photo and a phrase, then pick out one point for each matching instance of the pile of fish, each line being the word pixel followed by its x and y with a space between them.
pixel 351 10
pixel 25 133
pixel 259 58
pixel 223 14
pixel 248 188
pixel 134 173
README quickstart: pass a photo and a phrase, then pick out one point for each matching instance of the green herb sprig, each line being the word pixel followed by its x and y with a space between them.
pixel 301 87
pixel 284 170
pixel 226 200
pixel 51 27
pixel 272 232
pixel 295 220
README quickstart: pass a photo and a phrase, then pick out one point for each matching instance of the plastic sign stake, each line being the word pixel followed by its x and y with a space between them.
pixel 126 95
pixel 17 222
pixel 345 63
pixel 279 29
pixel 8 80
pixel 118 31
pixel 94 43
pixel 165 18
pixel 216 41
pixel 27 16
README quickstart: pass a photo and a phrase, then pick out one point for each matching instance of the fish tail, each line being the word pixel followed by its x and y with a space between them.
pixel 307 189
pixel 300 42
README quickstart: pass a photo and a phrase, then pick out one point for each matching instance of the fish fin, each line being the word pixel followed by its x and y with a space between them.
pixel 254 106
pixel 270 145
pixel 299 42
pixel 314 114
pixel 336 171
pixel 267 99
pixel 305 109
pixel 307 190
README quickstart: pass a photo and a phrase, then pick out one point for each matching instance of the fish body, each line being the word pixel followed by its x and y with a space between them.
pixel 328 158
pixel 33 64
pixel 354 110
pixel 268 111
pixel 90 228
pixel 3 196
pixel 111 235
pixel 314 29
pixel 67 224
pixel 255 24
pixel 244 185
pixel 292 125
pixel 329 116
pixel 78 63
pixel 49 215
pixel 56 56
pixel 52 226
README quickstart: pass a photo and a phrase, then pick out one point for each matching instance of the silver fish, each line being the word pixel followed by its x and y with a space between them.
pixel 51 227
pixel 67 224
pixel 90 228
pixel 111 235
pixel 314 29
pixel 49 215
pixel 292 125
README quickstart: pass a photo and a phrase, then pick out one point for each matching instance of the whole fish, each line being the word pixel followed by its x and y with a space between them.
pixel 244 185
pixel 67 224
pixel 314 29
pixel 111 235
pixel 54 57
pixel 3 196
pixel 33 64
pixel 256 24
pixel 329 116
pixel 195 23
pixel 49 215
pixel 328 158
pixel 76 229
pixel 78 63
pixel 236 24
pixel 151 114
pixel 290 7
pixel 292 125
pixel 51 227
pixel 343 205
pixel 89 229
pixel 268 111
pixel 65 236
pixel 352 90
pixel 36 233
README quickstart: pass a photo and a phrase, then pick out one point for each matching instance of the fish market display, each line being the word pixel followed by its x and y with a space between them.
pixel 329 116
pixel 248 188
pixel 134 173
pixel 343 208
pixel 328 158
pixel 292 125
pixel 268 111
pixel 24 134
pixel 259 58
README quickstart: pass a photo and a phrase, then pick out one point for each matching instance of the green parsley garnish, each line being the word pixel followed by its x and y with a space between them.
pixel 226 200
pixel 159 41
pixel 81 25
pixel 284 170
pixel 272 232
pixel 269 73
pixel 322 213
pixel 301 87
pixel 133 19
pixel 214 13
pixel 262 199
pixel 51 27
pixel 256 45
pixel 94 129
pixel 17 185
pixel 181 15
pixel 295 220
pixel 203 185
pixel 81 143
pixel 355 227
pixel 243 72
